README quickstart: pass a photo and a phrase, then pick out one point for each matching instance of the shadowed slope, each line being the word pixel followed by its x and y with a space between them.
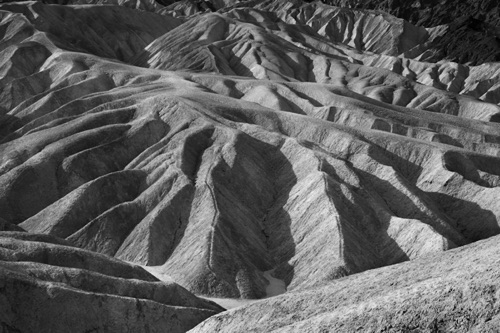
pixel 239 43
pixel 253 150
pixel 471 27
pixel 60 281
pixel 455 291
pixel 190 148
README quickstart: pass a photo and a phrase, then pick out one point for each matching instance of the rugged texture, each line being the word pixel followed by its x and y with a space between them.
pixel 472 28
pixel 455 292
pixel 468 32
pixel 244 149
pixel 148 165
pixel 70 288
pixel 428 13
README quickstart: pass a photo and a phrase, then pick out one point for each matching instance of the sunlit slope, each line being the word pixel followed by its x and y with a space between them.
pixel 228 145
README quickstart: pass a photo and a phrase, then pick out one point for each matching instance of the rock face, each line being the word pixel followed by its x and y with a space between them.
pixel 471 27
pixel 428 13
pixel 242 148
pixel 49 286
pixel 453 292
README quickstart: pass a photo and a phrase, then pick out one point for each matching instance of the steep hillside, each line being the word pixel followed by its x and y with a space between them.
pixel 242 149
pixel 453 292
pixel 472 28
pixel 50 286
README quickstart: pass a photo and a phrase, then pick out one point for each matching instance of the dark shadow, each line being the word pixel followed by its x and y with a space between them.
pixel 402 206
pixel 151 239
pixel 193 150
pixel 407 169
pixel 6 226
pixel 495 118
pixel 445 203
pixel 103 215
pixel 8 125
pixel 474 222
pixel 458 163
pixel 252 232
pixel 366 242
pixel 486 163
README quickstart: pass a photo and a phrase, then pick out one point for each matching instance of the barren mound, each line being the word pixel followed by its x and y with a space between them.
pixel 453 292
pixel 239 148
pixel 70 288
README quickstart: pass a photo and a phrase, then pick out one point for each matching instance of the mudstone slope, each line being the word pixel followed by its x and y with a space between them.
pixel 243 149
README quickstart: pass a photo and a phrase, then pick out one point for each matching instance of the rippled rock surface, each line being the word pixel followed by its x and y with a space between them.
pixel 241 149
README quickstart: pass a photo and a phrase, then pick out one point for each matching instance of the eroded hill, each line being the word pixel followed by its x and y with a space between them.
pixel 235 146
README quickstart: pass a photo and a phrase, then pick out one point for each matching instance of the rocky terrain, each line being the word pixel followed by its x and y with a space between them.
pixel 471 27
pixel 47 285
pixel 453 292
pixel 154 155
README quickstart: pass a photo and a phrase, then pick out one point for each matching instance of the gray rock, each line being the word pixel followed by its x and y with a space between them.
pixel 243 149
pixel 70 288
pixel 454 292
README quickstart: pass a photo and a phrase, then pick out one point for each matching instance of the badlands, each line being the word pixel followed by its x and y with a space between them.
pixel 249 166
